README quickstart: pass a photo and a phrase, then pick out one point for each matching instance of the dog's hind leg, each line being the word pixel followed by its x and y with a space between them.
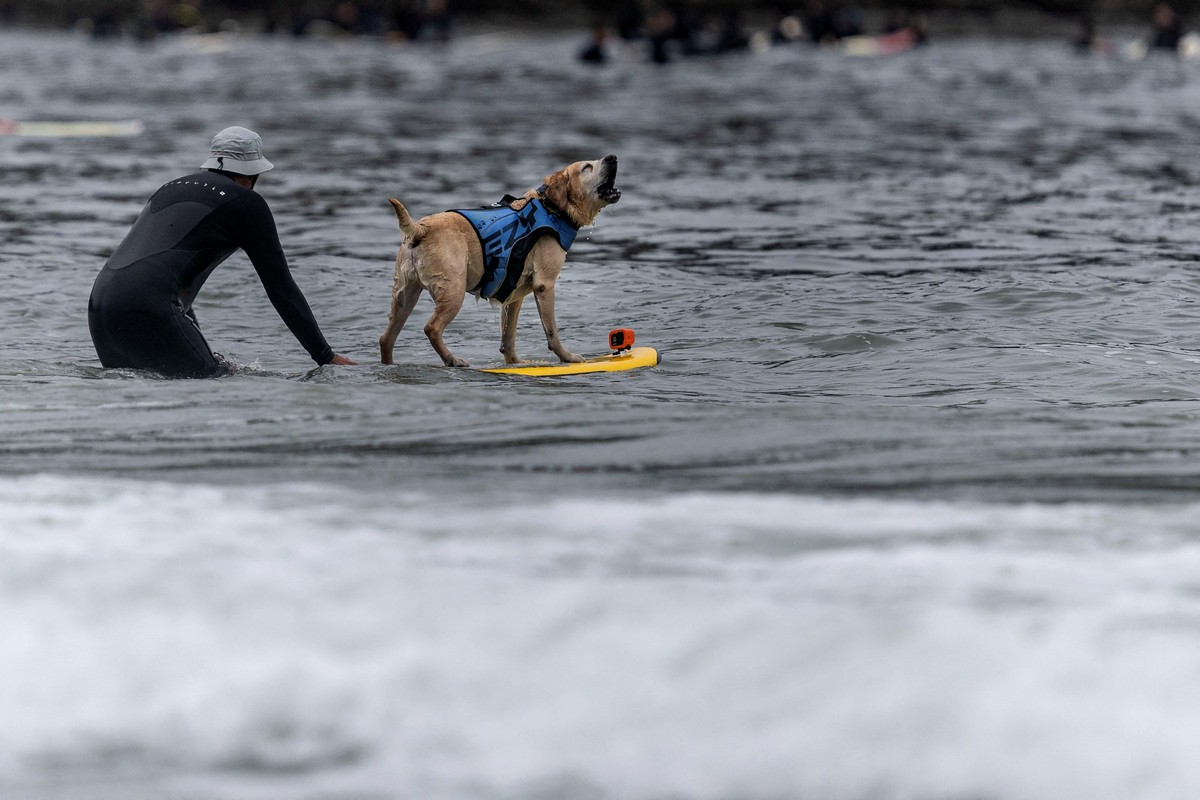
pixel 445 309
pixel 404 300
pixel 508 330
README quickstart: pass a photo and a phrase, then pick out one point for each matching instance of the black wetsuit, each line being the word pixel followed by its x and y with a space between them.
pixel 140 312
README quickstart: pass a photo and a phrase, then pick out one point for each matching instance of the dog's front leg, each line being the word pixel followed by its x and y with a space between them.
pixel 508 330
pixel 547 259
pixel 543 292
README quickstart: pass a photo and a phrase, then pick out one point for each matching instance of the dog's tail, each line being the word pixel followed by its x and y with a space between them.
pixel 413 231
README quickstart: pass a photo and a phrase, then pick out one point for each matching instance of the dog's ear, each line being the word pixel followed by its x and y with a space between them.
pixel 558 192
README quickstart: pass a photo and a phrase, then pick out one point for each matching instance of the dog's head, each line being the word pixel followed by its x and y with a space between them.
pixel 582 189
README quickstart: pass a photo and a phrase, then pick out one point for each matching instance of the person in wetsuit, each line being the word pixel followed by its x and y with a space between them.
pixel 140 311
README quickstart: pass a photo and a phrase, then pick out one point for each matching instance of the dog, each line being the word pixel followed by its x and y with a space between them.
pixel 503 253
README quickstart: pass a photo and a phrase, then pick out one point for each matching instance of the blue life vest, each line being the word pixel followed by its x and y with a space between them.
pixel 507 236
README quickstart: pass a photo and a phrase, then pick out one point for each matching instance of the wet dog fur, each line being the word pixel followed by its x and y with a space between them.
pixel 442 255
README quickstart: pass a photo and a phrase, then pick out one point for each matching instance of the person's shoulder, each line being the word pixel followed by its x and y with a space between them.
pixel 248 196
pixel 250 211
pixel 247 200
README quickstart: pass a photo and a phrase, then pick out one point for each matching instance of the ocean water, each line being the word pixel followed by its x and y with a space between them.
pixel 908 511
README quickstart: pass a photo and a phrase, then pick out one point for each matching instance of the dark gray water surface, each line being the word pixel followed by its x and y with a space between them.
pixel 969 270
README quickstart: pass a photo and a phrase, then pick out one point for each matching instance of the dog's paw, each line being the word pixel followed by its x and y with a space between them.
pixel 571 358
pixel 457 362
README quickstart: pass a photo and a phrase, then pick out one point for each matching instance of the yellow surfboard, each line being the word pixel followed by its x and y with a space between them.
pixel 613 362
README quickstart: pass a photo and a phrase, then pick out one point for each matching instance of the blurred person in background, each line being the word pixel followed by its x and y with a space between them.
pixel 732 37
pixel 440 19
pixel 596 49
pixel 661 29
pixel 1168 28
pixel 407 19
pixel 631 19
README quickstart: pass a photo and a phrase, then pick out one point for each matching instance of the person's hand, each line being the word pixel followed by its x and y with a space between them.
pixel 341 361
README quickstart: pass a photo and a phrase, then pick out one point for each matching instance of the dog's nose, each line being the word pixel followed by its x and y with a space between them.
pixel 610 159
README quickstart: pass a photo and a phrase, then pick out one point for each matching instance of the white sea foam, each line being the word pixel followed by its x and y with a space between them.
pixel 291 640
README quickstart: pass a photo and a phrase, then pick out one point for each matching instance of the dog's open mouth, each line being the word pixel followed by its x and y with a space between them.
pixel 607 190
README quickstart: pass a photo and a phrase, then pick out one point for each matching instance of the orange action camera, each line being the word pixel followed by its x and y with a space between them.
pixel 620 339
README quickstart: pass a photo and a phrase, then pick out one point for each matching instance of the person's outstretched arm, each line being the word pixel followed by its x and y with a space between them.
pixel 259 238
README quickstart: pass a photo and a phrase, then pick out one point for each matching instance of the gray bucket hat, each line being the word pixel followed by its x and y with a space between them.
pixel 238 150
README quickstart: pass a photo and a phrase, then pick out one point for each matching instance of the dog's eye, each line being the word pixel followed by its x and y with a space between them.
pixel 586 168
